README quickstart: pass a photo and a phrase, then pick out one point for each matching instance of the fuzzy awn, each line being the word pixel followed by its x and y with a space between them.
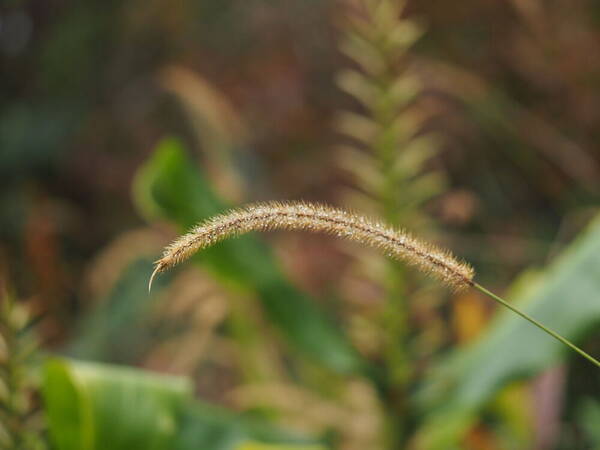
pixel 398 244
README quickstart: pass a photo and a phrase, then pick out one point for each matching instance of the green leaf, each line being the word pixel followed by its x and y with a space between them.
pixel 564 297
pixel 97 407
pixel 91 406
pixel 170 187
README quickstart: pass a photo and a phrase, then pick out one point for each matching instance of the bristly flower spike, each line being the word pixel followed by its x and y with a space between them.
pixel 397 244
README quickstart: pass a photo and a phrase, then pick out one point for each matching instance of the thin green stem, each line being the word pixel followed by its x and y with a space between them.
pixel 538 324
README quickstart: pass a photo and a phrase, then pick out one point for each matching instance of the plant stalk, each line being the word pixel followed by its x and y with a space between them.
pixel 538 324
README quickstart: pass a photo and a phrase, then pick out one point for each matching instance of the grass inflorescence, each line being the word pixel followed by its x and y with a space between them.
pixel 396 243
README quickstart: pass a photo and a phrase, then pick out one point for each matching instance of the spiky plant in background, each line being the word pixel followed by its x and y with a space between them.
pixel 21 425
pixel 388 152
pixel 387 156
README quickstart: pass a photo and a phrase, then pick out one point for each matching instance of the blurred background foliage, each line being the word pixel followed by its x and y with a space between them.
pixel 122 123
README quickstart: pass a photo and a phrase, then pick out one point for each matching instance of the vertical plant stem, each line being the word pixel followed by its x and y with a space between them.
pixel 538 324
pixel 398 359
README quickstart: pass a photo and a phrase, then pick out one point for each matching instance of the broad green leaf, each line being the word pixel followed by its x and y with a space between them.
pixel 169 186
pixel 566 297
pixel 97 407
pixel 91 406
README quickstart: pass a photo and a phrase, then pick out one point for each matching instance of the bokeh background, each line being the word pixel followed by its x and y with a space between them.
pixel 124 122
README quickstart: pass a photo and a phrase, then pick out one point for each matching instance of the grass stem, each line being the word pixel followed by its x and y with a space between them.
pixel 537 324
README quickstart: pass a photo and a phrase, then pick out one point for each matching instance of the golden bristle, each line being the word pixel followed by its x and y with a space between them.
pixel 319 218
